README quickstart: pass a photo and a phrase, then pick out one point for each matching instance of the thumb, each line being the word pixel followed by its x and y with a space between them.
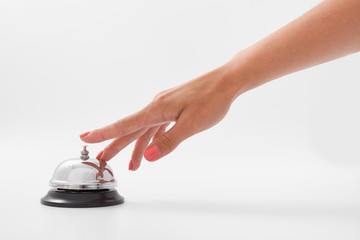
pixel 167 142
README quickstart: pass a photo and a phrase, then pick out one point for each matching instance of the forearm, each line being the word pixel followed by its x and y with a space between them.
pixel 328 31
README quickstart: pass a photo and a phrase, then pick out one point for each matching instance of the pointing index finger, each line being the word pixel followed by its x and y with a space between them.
pixel 123 127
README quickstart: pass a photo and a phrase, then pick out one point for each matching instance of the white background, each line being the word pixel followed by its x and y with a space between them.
pixel 283 164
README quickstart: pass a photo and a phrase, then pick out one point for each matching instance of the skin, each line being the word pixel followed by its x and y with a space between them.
pixel 328 31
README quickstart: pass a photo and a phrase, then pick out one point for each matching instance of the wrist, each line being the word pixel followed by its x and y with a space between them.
pixel 245 71
pixel 234 77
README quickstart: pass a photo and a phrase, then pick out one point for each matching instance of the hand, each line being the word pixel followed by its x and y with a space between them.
pixel 194 107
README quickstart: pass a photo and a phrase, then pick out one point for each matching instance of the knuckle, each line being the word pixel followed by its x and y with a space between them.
pixel 119 122
pixel 156 111
pixel 102 136
pixel 160 95
pixel 167 142
pixel 119 126
pixel 161 98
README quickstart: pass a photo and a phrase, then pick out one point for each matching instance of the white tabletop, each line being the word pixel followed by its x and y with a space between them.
pixel 191 198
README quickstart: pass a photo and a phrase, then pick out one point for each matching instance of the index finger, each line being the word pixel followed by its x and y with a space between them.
pixel 123 127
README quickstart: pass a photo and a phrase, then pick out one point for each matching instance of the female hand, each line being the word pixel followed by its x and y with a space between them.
pixel 194 107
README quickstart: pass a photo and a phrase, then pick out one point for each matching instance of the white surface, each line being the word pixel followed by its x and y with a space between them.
pixel 284 163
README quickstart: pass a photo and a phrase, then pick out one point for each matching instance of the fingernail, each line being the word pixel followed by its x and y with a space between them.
pixel 99 155
pixel 152 153
pixel 130 165
pixel 84 134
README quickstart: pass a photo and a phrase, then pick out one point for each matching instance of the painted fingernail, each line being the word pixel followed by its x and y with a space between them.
pixel 84 134
pixel 99 155
pixel 152 153
pixel 131 165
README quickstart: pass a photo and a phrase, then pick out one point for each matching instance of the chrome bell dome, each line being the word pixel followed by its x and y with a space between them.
pixel 83 173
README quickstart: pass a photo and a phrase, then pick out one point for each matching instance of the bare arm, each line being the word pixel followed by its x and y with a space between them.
pixel 328 31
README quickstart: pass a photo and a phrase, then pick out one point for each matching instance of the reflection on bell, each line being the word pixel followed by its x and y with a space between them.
pixel 82 182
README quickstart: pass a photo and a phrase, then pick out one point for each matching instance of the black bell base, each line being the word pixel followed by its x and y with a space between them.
pixel 57 197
